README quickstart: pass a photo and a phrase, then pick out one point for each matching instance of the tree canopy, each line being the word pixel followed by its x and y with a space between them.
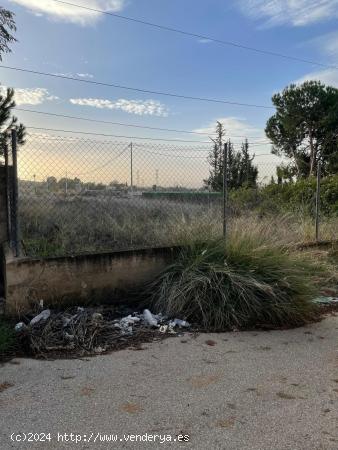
pixel 7 103
pixel 7 25
pixel 241 171
pixel 305 128
pixel 7 121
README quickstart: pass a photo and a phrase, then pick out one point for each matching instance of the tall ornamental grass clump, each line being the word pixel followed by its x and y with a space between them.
pixel 243 284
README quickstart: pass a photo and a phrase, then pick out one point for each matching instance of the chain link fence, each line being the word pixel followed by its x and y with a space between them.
pixel 81 195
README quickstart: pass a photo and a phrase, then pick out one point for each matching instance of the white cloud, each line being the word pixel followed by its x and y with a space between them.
pixel 204 41
pixel 326 76
pixel 234 126
pixel 68 13
pixel 290 12
pixel 326 44
pixel 32 96
pixel 139 107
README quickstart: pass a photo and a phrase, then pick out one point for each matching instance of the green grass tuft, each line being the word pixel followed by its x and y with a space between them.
pixel 247 284
pixel 7 338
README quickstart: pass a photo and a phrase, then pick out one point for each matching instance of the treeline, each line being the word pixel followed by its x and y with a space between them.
pixel 53 184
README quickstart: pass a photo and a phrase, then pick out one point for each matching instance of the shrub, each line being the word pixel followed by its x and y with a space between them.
pixel 7 339
pixel 246 284
pixel 293 197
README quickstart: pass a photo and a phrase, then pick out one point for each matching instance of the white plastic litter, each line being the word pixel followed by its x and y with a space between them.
pixel 99 349
pixel 324 300
pixel 179 323
pixel 20 327
pixel 44 315
pixel 149 319
pixel 129 320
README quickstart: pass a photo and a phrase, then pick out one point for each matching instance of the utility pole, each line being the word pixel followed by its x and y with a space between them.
pixel 131 167
pixel 225 189
pixel 15 206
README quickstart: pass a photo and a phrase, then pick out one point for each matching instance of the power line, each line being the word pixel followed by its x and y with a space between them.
pixel 66 116
pixel 87 119
pixel 173 156
pixel 200 36
pixel 117 136
pixel 147 91
pixel 134 137
pixel 101 166
pixel 193 157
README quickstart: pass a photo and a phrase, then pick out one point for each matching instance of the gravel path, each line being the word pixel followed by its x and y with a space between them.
pixel 238 391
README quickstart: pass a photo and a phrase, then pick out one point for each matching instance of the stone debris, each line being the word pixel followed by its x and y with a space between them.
pixel 94 330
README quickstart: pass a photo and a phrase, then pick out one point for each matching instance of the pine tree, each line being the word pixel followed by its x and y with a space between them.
pixel 7 103
pixel 215 159
pixel 8 122
pixel 241 171
pixel 7 25
pixel 248 172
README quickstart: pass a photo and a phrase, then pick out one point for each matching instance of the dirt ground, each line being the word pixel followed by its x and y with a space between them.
pixel 254 390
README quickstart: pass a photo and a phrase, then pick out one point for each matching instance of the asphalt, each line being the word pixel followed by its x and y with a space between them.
pixel 274 390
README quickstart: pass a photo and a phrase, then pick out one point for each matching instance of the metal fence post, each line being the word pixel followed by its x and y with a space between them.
pixel 15 215
pixel 8 195
pixel 225 189
pixel 318 201
pixel 131 167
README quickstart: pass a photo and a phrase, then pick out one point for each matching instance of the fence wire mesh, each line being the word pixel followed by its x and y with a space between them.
pixel 11 210
pixel 80 195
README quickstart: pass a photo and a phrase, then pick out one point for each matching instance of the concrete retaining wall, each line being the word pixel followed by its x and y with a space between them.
pixel 104 278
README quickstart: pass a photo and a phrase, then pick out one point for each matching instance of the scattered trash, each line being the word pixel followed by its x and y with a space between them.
pixel 326 300
pixel 99 350
pixel 149 318
pixel 93 330
pixel 44 315
pixel 20 327
pixel 180 323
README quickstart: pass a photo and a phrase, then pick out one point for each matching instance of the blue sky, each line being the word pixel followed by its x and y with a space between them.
pixel 62 39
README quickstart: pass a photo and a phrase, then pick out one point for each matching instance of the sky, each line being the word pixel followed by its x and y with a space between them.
pixel 62 39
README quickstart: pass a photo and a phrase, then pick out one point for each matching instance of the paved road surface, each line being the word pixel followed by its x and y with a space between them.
pixel 255 390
